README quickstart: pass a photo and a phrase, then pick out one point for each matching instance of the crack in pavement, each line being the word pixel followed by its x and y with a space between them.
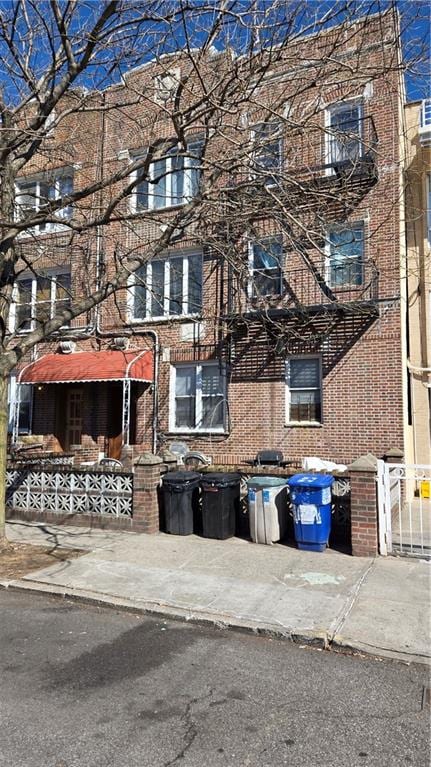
pixel 191 729
pixel 341 618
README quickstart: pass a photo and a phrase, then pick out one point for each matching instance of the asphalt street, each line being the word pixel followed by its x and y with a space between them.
pixel 82 686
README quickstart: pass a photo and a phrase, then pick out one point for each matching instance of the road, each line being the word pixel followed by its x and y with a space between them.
pixel 83 686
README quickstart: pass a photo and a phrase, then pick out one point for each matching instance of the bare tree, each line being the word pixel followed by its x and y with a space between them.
pixel 223 88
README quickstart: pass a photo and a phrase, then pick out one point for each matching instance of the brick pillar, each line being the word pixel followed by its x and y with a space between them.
pixel 127 457
pixel 170 460
pixel 145 499
pixel 394 455
pixel 364 506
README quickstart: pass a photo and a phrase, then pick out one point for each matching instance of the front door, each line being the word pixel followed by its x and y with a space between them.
pixel 73 417
pixel 115 420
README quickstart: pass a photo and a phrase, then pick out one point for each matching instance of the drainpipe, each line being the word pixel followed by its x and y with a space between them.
pixel 99 249
pixel 110 334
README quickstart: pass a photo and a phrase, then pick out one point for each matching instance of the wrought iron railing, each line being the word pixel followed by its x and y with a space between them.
pixel 312 154
pixel 336 285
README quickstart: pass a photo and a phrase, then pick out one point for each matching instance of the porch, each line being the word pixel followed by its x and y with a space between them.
pixel 85 403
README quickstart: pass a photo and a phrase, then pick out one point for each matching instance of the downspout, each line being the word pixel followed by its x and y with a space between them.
pixel 100 198
pixel 109 334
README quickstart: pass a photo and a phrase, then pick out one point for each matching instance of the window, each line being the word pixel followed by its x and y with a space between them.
pixel 36 195
pixel 346 256
pixel 304 390
pixel 24 405
pixel 172 180
pixel 265 267
pixel 168 287
pixel 197 398
pixel 345 133
pixel 38 299
pixel 267 156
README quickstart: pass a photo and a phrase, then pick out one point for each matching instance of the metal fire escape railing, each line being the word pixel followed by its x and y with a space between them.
pixel 346 287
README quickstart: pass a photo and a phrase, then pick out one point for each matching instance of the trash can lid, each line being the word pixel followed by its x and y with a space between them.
pixel 180 477
pixel 266 481
pixel 313 481
pixel 220 479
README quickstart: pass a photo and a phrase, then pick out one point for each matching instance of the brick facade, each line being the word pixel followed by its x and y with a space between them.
pixel 360 348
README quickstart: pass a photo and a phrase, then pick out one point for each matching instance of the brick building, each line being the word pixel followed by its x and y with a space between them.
pixel 272 319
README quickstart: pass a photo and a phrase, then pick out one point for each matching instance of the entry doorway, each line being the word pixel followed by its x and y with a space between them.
pixel 73 424
pixel 115 420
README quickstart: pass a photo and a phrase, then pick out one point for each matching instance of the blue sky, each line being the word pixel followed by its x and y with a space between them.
pixel 307 15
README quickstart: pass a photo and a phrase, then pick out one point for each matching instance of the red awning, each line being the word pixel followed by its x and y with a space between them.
pixel 90 366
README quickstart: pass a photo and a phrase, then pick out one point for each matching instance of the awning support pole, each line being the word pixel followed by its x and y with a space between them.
pixel 126 411
pixel 15 413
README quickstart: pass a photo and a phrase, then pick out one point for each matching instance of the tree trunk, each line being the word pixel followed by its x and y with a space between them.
pixel 3 452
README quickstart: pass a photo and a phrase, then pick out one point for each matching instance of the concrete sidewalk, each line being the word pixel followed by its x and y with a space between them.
pixel 379 606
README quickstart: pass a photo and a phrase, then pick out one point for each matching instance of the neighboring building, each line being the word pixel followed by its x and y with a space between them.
pixel 277 325
pixel 418 281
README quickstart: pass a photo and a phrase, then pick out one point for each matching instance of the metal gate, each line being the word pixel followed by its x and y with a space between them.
pixel 404 502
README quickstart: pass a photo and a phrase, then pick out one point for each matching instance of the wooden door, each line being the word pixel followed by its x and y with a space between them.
pixel 115 421
pixel 73 417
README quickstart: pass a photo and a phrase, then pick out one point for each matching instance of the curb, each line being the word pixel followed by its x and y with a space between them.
pixel 319 640
pixel 316 639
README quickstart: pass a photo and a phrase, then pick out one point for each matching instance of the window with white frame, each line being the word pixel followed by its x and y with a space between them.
pixel 346 256
pixel 304 390
pixel 265 266
pixel 197 400
pixel 169 287
pixel 20 406
pixel 35 195
pixel 171 180
pixel 267 151
pixel 39 298
pixel 344 136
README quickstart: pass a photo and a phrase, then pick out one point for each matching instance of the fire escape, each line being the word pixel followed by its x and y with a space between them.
pixel 320 305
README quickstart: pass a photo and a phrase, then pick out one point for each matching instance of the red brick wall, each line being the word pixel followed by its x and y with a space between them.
pixel 362 389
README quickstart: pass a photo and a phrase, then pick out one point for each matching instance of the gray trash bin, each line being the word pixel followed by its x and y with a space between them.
pixel 267 499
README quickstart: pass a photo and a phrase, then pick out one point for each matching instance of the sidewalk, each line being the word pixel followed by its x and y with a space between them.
pixel 379 606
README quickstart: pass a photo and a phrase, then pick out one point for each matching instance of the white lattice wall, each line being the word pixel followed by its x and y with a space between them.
pixel 68 491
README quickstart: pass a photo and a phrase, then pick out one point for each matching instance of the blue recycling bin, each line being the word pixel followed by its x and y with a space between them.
pixel 310 495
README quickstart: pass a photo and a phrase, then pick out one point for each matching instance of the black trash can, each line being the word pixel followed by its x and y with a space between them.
pixel 181 500
pixel 220 504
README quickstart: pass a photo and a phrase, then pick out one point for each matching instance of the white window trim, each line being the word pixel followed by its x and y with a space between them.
pixel 51 275
pixel 13 406
pixel 252 270
pixel 172 383
pixel 53 182
pixel 289 422
pixel 337 106
pixel 187 193
pixel 341 228
pixel 166 316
